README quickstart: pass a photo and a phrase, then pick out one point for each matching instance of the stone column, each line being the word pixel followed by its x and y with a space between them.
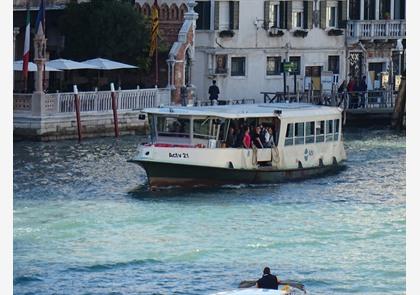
pixel 38 97
pixel 377 9
pixel 15 33
pixel 362 9
pixel 171 74
pixel 391 14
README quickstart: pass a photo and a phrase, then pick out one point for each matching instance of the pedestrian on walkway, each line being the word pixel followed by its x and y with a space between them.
pixel 214 93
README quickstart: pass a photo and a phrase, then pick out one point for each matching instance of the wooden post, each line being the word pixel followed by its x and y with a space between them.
pixel 399 109
pixel 114 110
pixel 77 108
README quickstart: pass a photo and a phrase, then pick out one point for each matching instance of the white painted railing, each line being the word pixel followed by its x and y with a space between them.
pixel 101 101
pixel 376 29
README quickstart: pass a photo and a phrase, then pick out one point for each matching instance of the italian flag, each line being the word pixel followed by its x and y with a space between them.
pixel 26 46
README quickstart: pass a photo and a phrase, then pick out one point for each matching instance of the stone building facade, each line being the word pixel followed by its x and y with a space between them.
pixel 376 34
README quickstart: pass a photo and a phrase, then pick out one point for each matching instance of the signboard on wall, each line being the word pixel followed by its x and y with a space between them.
pixel 327 80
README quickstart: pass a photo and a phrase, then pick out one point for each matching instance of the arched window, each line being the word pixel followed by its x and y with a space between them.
pixel 164 12
pixel 137 7
pixel 146 9
pixel 174 12
pixel 182 10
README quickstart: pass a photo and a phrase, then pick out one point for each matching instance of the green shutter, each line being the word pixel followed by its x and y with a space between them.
pixel 236 15
pixel 266 14
pixel 289 14
pixel 283 15
pixel 323 14
pixel 216 15
pixel 342 14
pixel 307 14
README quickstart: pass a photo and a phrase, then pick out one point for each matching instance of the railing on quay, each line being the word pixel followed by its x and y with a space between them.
pixel 95 101
pixel 101 101
pixel 372 99
pixel 22 102
pixel 376 29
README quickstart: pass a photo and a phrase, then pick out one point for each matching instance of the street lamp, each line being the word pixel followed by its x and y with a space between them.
pixel 400 50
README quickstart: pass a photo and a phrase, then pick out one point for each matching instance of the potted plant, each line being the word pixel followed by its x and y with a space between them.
pixel 226 34
pixel 335 32
pixel 300 33
pixel 275 32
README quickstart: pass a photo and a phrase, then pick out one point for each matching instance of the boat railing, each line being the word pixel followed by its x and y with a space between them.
pixel 225 102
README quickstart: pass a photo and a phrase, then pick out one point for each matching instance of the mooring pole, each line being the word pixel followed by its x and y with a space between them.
pixel 77 108
pixel 114 110
pixel 284 79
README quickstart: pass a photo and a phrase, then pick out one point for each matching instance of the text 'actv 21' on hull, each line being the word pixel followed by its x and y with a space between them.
pixel 240 144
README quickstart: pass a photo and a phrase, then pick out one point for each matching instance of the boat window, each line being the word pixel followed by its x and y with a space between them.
pixel 289 134
pixel 299 135
pixel 174 127
pixel 336 128
pixel 320 130
pixel 310 132
pixel 329 136
pixel 202 128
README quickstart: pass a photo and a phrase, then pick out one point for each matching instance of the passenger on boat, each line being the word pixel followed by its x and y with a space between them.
pixel 246 142
pixel 268 281
pixel 269 139
pixel 256 138
pixel 240 136
pixel 231 138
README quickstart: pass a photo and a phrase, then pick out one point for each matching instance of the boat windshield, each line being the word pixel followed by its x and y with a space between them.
pixel 173 127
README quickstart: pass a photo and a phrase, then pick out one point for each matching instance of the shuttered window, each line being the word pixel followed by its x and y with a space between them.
pixel 237 66
pixel 273 65
pixel 226 15
pixel 295 60
pixel 332 16
pixel 234 15
pixel 203 10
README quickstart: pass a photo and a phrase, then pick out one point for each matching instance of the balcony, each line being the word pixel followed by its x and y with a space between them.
pixel 34 4
pixel 375 29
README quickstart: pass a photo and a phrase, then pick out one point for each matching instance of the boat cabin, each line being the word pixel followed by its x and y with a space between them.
pixel 208 127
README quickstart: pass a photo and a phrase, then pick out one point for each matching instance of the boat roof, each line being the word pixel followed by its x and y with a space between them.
pixel 284 110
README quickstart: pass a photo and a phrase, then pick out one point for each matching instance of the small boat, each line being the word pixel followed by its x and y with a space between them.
pixel 192 146
pixel 286 290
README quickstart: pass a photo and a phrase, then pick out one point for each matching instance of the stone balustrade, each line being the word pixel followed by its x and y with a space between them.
pixel 376 29
pixel 52 116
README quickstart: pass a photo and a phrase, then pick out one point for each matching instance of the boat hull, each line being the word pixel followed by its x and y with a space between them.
pixel 162 174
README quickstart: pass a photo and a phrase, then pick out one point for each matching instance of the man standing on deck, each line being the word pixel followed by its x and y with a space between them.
pixel 268 281
pixel 214 92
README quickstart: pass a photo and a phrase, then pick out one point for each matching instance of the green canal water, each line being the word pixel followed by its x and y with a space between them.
pixel 84 223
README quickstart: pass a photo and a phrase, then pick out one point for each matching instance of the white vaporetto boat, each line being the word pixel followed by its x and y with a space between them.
pixel 189 146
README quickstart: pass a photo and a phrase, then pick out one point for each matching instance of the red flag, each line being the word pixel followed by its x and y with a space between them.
pixel 27 44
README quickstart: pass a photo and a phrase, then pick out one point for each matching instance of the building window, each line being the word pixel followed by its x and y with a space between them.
pixel 237 66
pixel 226 15
pixel 332 16
pixel 274 15
pixel 295 60
pixel 203 10
pixel 334 64
pixel 273 65
pixel 297 19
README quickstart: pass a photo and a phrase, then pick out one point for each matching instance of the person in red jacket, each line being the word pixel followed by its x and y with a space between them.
pixel 246 142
